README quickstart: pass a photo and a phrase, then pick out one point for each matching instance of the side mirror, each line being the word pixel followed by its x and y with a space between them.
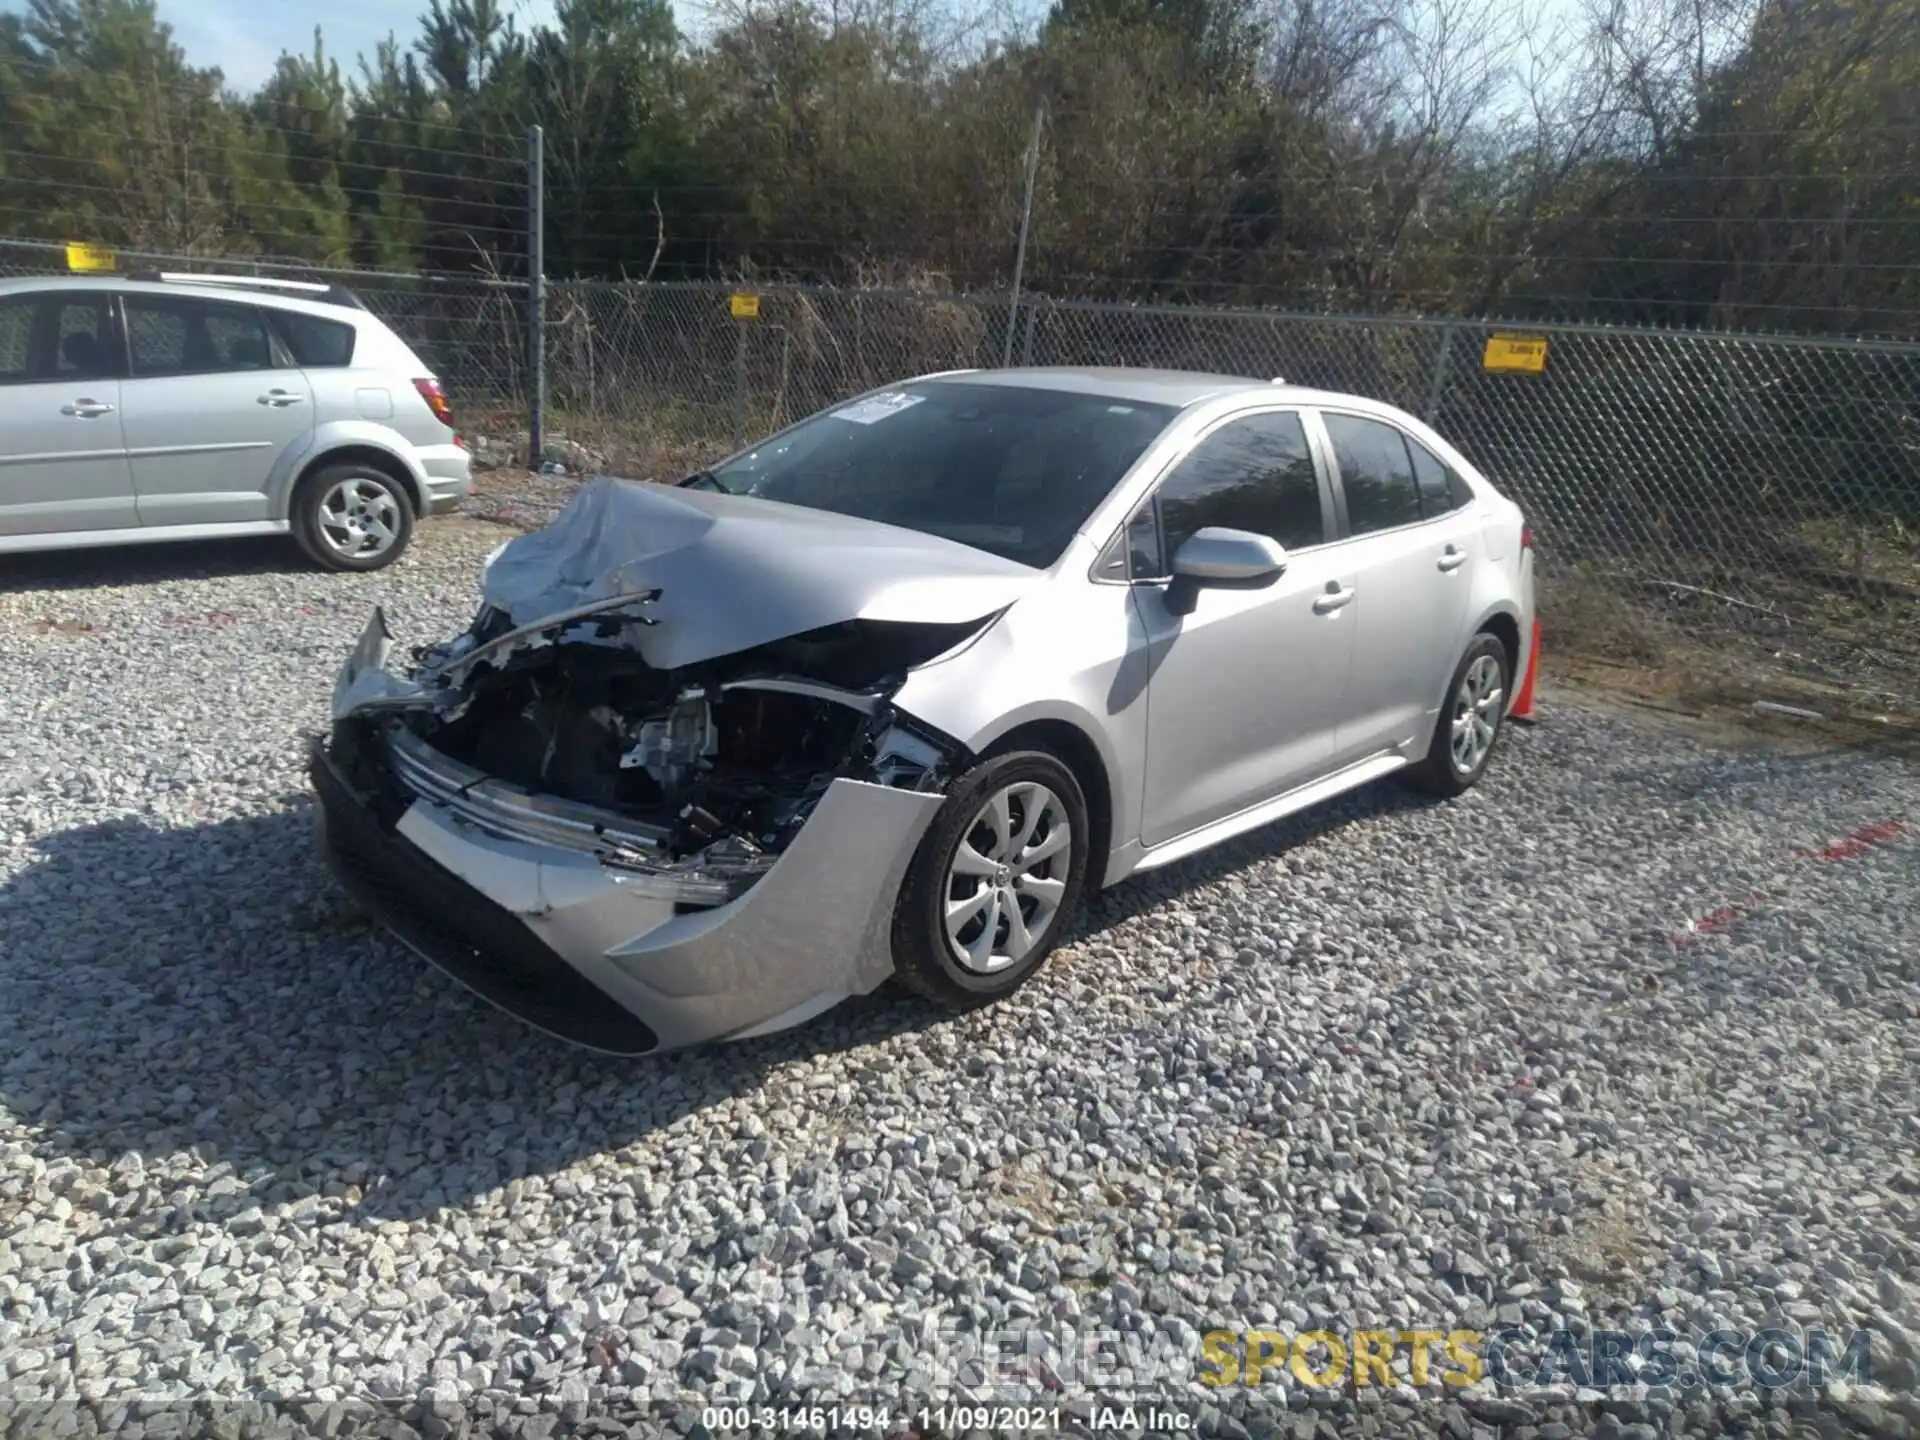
pixel 1215 557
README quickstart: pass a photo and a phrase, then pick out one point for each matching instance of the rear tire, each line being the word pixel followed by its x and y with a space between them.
pixel 995 881
pixel 1470 720
pixel 351 516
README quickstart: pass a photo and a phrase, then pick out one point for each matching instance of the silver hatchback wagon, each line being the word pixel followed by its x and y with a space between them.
pixel 178 407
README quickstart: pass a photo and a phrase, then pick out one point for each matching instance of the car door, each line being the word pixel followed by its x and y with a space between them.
pixel 1414 555
pixel 212 403
pixel 63 463
pixel 1245 691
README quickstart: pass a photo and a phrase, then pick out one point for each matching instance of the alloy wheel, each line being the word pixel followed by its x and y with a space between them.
pixel 1007 878
pixel 359 519
pixel 1476 713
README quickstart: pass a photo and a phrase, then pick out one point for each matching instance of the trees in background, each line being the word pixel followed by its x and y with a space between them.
pixel 1747 162
pixel 109 130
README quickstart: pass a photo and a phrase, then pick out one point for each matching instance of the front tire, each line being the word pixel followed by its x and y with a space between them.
pixel 352 517
pixel 994 882
pixel 1470 720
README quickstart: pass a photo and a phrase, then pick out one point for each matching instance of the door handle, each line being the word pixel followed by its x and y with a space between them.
pixel 1336 598
pixel 280 399
pixel 86 409
pixel 1452 558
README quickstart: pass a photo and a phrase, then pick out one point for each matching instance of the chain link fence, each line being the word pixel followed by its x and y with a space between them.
pixel 1740 506
pixel 666 368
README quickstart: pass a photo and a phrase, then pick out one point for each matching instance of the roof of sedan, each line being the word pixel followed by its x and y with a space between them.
pixel 1178 388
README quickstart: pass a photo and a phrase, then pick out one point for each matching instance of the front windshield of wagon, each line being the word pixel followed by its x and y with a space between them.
pixel 1009 469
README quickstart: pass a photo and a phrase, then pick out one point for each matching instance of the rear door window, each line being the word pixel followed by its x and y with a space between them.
pixel 315 344
pixel 182 336
pixel 1375 474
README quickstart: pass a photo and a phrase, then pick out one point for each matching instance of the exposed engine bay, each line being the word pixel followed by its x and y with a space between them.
pixel 705 772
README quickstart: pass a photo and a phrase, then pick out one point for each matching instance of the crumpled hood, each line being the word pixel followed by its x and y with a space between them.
pixel 734 572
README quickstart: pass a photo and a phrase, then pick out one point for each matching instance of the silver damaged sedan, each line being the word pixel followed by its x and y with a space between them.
pixel 888 693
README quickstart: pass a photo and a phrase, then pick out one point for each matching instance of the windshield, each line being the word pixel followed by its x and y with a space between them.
pixel 1007 469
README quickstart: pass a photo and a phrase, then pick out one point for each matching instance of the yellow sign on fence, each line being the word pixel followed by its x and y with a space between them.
pixel 1527 354
pixel 745 307
pixel 89 257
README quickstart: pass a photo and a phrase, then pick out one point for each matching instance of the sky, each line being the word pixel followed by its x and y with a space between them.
pixel 245 37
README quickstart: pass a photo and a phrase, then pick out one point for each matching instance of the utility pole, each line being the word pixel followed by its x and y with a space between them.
pixel 1026 220
pixel 536 294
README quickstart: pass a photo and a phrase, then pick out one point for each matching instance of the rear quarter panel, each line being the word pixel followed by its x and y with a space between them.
pixel 369 404
pixel 338 434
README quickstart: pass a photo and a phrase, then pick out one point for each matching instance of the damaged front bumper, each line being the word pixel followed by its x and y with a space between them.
pixel 649 927
pixel 632 850
pixel 596 951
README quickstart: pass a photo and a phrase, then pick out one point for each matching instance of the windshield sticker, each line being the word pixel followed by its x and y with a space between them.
pixel 878 407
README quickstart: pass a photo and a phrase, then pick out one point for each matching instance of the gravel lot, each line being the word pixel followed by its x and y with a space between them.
pixel 1388 1064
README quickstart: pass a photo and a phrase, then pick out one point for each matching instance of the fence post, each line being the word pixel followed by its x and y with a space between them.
pixel 1026 219
pixel 739 383
pixel 536 295
pixel 1026 343
pixel 1436 392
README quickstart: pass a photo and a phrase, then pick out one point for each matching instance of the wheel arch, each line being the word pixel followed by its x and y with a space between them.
pixel 1504 627
pixel 374 457
pixel 1077 750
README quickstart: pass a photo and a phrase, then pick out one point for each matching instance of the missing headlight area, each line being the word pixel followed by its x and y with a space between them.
pixel 687 783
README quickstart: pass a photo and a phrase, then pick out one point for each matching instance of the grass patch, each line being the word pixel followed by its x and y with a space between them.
pixel 1699 655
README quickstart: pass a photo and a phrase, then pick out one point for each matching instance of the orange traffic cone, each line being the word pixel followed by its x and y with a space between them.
pixel 1523 703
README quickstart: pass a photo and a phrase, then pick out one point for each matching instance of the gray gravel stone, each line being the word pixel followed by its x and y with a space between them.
pixel 1386 1064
